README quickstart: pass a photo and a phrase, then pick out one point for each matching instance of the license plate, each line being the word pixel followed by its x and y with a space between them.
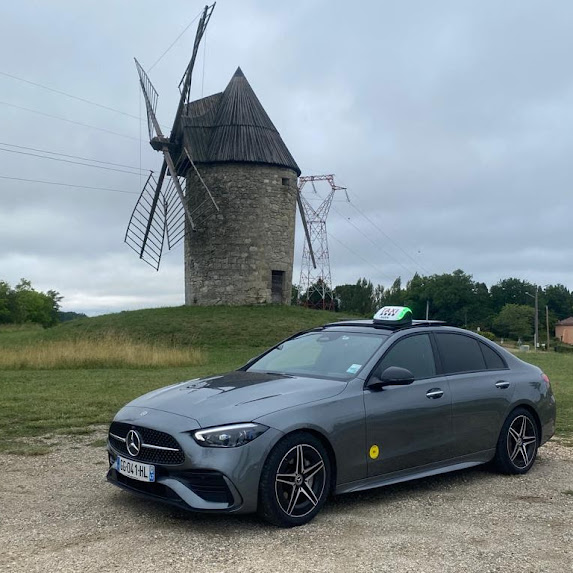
pixel 135 470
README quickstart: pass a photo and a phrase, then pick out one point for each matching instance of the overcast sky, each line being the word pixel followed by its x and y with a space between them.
pixel 451 124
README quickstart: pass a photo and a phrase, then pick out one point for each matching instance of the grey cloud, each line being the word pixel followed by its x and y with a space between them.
pixel 450 123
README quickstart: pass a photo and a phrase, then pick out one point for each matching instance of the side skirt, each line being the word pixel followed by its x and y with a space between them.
pixel 418 472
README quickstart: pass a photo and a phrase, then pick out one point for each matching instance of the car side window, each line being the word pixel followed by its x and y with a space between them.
pixel 414 353
pixel 459 353
pixel 493 360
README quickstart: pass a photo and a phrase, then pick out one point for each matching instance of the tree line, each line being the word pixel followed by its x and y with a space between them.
pixel 23 304
pixel 506 308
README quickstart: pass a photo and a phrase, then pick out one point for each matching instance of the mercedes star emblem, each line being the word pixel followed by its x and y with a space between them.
pixel 133 443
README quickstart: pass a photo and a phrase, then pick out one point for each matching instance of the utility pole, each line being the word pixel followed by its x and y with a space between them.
pixel 547 324
pixel 536 317
pixel 536 335
pixel 427 308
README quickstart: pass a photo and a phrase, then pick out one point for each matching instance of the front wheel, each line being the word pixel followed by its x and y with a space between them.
pixel 517 444
pixel 295 481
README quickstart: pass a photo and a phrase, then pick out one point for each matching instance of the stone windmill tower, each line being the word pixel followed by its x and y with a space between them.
pixel 228 188
pixel 244 253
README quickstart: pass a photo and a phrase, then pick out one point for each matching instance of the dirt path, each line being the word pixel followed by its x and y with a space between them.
pixel 57 513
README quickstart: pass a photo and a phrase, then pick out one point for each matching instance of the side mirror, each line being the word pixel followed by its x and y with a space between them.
pixel 392 376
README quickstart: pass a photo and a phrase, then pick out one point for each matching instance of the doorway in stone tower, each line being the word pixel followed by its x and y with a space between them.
pixel 277 286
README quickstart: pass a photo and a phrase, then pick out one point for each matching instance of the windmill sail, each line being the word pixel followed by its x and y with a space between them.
pixel 146 229
pixel 166 213
pixel 305 226
pixel 150 96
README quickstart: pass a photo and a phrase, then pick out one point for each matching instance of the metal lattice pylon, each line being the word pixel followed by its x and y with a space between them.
pixel 315 283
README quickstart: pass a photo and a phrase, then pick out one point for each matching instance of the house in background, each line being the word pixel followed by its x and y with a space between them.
pixel 564 330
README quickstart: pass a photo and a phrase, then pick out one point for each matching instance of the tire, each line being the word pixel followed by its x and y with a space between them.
pixel 295 481
pixel 517 444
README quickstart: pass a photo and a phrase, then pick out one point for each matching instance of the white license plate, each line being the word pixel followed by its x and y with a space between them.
pixel 135 470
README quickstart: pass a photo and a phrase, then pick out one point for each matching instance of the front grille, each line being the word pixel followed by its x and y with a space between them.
pixel 209 485
pixel 154 489
pixel 150 437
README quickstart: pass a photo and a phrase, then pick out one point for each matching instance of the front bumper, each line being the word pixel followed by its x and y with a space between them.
pixel 208 479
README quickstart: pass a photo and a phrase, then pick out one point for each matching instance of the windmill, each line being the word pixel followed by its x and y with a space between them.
pixel 227 187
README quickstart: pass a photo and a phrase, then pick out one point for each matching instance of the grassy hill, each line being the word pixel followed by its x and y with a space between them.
pixel 206 327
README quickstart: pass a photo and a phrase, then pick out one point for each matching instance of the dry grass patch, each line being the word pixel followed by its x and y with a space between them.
pixel 107 351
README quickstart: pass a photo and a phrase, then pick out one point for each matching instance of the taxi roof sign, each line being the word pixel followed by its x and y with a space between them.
pixel 393 316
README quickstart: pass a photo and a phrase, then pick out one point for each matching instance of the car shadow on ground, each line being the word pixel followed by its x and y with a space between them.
pixel 443 485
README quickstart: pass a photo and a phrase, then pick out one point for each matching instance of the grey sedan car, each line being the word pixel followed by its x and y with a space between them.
pixel 345 407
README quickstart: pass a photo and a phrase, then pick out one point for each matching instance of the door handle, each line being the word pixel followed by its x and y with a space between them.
pixel 502 384
pixel 434 393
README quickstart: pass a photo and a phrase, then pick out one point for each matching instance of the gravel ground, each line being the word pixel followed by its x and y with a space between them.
pixel 59 514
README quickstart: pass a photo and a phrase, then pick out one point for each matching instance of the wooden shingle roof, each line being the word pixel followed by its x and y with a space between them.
pixel 234 127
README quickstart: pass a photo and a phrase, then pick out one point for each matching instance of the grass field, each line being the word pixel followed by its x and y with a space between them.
pixel 45 395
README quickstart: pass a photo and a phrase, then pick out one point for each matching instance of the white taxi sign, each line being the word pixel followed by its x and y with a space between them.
pixel 393 314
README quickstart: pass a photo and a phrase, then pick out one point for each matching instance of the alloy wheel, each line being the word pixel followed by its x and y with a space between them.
pixel 521 441
pixel 300 480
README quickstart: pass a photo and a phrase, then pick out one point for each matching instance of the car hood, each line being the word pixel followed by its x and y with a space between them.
pixel 237 396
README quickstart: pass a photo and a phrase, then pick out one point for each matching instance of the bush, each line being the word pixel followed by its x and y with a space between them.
pixel 488 335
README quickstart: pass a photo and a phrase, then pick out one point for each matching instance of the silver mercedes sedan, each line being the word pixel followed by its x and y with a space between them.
pixel 344 407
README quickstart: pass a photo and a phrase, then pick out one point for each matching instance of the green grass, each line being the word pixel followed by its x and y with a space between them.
pixel 59 401
pixel 559 368
pixel 54 401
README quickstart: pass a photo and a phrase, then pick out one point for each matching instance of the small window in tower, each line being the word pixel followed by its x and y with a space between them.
pixel 286 181
pixel 277 286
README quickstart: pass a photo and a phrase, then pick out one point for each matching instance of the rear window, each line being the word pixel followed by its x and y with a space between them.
pixel 493 360
pixel 459 353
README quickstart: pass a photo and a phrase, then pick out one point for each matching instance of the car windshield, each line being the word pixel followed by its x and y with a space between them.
pixel 323 354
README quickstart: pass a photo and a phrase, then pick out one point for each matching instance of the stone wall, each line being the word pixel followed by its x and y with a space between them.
pixel 229 259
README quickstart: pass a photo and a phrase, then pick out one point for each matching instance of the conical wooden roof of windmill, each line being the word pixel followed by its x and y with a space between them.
pixel 233 126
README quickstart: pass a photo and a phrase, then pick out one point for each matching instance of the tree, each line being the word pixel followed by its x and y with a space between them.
pixel 378 297
pixel 294 294
pixel 515 321
pixel 451 297
pixel 559 300
pixel 5 315
pixel 511 291
pixel 416 295
pixel 319 296
pixel 358 298
pixel 394 296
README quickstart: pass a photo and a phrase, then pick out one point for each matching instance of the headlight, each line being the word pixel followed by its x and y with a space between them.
pixel 229 436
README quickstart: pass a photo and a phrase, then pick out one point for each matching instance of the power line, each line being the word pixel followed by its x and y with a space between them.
pixel 347 219
pixel 352 251
pixel 68 120
pixel 71 156
pixel 408 270
pixel 60 92
pixel 175 41
pixel 68 185
pixel 389 238
pixel 68 161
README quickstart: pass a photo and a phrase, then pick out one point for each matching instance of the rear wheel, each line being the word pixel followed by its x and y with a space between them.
pixel 517 444
pixel 294 481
